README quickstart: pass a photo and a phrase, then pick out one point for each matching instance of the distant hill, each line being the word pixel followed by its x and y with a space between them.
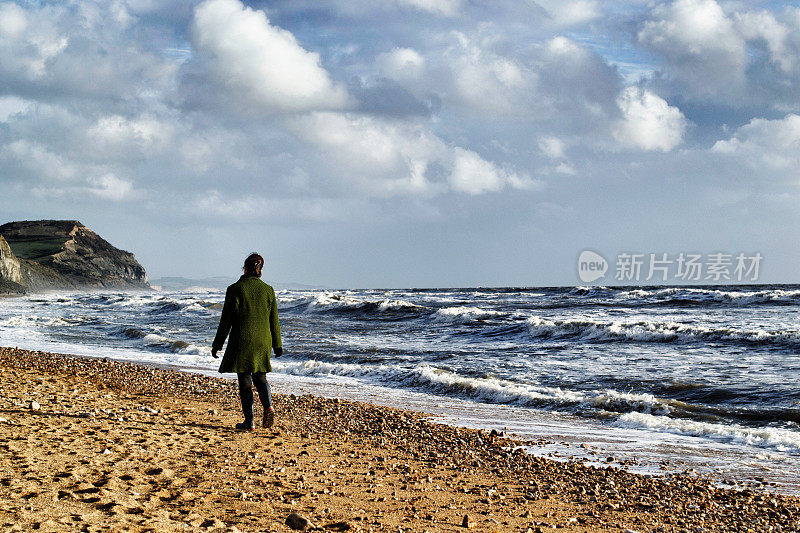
pixel 176 283
pixel 45 255
pixel 219 282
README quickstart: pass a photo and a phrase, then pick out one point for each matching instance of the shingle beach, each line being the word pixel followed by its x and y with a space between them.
pixel 98 445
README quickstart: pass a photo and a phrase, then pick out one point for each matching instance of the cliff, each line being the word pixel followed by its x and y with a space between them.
pixel 10 270
pixel 63 254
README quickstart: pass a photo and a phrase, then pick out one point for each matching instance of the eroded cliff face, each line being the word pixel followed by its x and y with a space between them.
pixel 9 265
pixel 10 270
pixel 65 254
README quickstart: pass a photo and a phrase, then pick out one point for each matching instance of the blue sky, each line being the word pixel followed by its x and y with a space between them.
pixel 406 142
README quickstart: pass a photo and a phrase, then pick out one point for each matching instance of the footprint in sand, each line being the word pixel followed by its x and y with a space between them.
pixel 107 506
pixel 58 476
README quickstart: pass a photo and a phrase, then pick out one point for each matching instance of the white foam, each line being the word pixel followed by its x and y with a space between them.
pixel 463 314
pixel 649 331
pixel 33 320
pixel 736 298
pixel 611 400
pixel 485 389
pixel 322 301
pixel 783 440
pixel 386 305
pixel 194 307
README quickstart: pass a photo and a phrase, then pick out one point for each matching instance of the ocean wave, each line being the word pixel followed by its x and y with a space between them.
pixel 590 290
pixel 766 437
pixel 484 389
pixel 435 380
pixel 621 402
pixel 463 314
pixel 343 302
pixel 217 306
pixel 705 296
pixel 646 331
pixel 168 305
pixel 201 306
pixel 622 409
pixel 173 345
pixel 35 320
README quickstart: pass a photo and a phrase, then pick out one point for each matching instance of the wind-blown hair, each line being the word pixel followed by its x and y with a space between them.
pixel 253 265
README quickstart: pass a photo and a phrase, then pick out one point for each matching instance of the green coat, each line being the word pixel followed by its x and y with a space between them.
pixel 250 314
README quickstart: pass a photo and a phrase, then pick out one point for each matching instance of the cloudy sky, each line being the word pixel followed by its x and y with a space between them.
pixel 406 143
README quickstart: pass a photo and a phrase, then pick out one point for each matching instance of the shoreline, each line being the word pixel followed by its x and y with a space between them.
pixel 126 446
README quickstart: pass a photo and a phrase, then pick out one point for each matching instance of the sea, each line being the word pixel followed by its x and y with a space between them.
pixel 657 380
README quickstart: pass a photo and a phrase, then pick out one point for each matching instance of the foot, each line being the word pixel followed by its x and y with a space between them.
pixel 269 418
pixel 245 426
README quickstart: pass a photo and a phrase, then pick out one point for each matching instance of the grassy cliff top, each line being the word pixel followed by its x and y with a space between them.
pixel 37 239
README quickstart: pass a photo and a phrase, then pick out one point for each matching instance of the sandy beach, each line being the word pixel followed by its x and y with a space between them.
pixel 98 445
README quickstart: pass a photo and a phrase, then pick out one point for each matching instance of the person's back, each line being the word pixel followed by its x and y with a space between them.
pixel 252 333
pixel 250 316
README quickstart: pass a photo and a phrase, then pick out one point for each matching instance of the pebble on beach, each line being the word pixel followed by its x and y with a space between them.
pixel 299 522
pixel 131 447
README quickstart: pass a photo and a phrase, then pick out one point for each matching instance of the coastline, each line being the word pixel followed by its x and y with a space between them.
pixel 125 446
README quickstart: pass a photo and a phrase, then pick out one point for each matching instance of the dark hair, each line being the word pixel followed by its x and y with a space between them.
pixel 253 264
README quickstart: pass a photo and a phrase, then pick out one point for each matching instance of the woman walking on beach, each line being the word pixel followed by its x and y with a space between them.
pixel 250 315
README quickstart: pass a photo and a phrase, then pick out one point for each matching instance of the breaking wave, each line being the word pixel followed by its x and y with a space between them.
pixel 708 296
pixel 766 437
pixel 464 314
pixel 342 302
pixel 485 389
pixel 646 331
pixel 160 341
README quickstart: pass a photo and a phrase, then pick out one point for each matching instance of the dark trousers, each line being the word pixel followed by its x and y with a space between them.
pixel 246 382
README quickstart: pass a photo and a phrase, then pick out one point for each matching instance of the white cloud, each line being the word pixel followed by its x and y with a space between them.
pixel 474 175
pixel 447 8
pixel 27 42
pixel 699 41
pixel 401 64
pixel 485 80
pixel 260 63
pixel 110 187
pixel 649 122
pixel 775 143
pixel 482 75
pixel 384 157
pixel 120 136
pixel 11 105
pixel 390 157
pixel 571 13
pixel 577 81
pixel 565 168
pixel 763 25
pixel 51 51
pixel 13 21
pixel 552 147
pixel 105 187
pixel 36 160
pixel 254 207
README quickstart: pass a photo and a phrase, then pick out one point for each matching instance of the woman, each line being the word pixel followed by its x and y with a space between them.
pixel 250 314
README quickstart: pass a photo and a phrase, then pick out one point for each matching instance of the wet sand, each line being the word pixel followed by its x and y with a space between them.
pixel 97 445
